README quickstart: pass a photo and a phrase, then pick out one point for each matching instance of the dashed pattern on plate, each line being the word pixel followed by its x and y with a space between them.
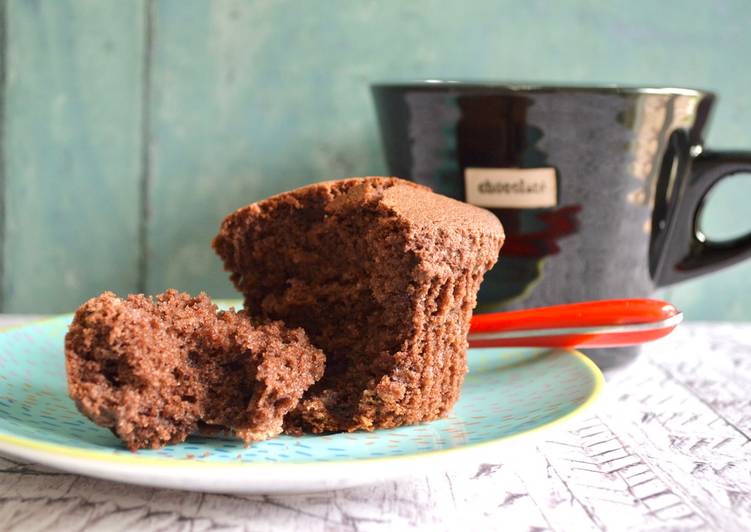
pixel 507 392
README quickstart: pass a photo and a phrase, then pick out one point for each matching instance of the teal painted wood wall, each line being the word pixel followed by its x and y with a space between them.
pixel 129 129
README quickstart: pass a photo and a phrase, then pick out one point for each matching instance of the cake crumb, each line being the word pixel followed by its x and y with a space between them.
pixel 383 275
pixel 155 371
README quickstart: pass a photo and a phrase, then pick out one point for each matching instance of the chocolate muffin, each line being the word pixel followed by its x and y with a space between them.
pixel 382 274
pixel 154 371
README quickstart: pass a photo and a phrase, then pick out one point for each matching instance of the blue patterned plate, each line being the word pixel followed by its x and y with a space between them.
pixel 508 394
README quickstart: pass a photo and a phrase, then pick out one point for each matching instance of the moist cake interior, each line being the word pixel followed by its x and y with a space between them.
pixel 340 273
pixel 153 371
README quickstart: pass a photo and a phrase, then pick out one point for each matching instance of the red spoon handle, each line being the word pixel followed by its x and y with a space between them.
pixel 611 323
pixel 588 314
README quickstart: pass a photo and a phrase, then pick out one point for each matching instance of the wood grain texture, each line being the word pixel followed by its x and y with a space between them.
pixel 246 99
pixel 238 112
pixel 249 99
pixel 668 449
pixel 72 141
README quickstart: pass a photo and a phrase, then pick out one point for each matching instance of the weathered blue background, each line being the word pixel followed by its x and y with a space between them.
pixel 129 129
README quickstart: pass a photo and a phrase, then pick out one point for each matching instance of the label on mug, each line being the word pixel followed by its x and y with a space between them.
pixel 511 188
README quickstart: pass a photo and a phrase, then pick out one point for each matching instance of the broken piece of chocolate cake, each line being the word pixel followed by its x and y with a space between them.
pixel 383 275
pixel 153 371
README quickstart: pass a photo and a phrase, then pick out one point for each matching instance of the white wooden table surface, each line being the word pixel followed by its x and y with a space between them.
pixel 669 449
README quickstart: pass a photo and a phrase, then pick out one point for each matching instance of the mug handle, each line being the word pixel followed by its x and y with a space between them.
pixel 686 251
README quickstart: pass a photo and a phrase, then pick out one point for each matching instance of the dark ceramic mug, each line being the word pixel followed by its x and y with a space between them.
pixel 599 188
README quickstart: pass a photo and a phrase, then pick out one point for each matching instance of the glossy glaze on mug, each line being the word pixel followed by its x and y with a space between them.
pixel 607 146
